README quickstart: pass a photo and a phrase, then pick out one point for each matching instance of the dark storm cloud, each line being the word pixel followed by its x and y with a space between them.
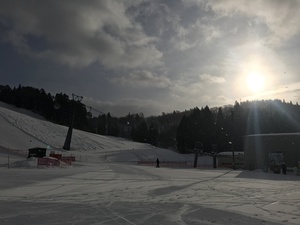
pixel 78 33
pixel 152 55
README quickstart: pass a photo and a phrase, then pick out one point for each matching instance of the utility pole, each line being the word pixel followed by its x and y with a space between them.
pixel 233 135
pixel 233 159
pixel 70 130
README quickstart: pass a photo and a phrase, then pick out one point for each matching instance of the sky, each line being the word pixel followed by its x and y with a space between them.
pixel 153 56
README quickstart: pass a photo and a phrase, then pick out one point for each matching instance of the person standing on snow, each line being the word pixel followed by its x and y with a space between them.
pixel 283 167
pixel 157 162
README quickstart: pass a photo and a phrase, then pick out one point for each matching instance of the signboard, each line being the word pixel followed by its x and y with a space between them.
pixel 57 156
pixel 48 162
pixel 275 161
pixel 275 158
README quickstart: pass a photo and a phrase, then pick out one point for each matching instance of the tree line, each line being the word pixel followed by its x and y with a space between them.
pixel 207 129
pixel 59 109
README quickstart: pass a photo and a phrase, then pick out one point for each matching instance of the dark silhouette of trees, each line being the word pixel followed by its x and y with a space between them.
pixel 207 129
pixel 182 135
pixel 38 101
pixel 112 125
pixel 221 138
pixel 62 114
pixel 140 132
pixel 152 135
pixel 196 131
pixel 101 124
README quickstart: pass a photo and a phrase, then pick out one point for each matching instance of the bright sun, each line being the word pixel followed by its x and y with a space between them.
pixel 255 82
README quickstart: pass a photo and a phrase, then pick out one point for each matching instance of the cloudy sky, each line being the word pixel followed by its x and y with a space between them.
pixel 153 56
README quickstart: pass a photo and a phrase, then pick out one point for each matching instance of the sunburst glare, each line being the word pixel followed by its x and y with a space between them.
pixel 255 82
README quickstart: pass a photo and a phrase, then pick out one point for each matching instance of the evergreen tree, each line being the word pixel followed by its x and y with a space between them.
pixel 153 135
pixel 101 126
pixel 220 133
pixel 181 136
pixel 207 129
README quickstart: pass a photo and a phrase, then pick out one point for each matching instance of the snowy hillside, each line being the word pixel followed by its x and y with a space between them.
pixel 21 130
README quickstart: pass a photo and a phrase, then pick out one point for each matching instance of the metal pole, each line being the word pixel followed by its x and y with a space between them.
pixel 196 160
pixel 67 144
pixel 69 134
pixel 233 132
pixel 233 160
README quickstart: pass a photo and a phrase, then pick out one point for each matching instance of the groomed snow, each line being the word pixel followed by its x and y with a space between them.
pixel 107 186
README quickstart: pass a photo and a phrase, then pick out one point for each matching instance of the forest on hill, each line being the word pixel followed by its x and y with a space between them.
pixel 206 129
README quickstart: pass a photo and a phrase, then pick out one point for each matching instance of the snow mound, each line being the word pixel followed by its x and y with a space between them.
pixel 28 163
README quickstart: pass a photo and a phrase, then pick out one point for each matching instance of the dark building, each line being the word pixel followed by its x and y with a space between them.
pixel 36 152
pixel 263 151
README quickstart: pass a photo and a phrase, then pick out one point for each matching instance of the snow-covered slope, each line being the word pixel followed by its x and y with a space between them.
pixel 22 130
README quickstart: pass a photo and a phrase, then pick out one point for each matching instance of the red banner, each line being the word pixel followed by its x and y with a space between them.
pixel 57 156
pixel 48 162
